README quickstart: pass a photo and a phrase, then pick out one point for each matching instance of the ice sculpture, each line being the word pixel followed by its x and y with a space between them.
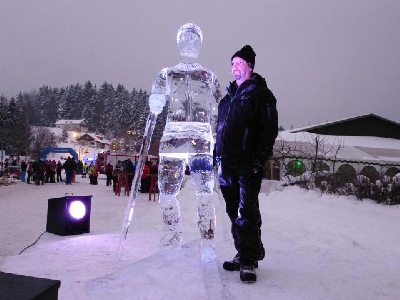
pixel 191 94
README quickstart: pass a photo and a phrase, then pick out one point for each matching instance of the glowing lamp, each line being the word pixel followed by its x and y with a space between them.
pixel 69 215
pixel 77 210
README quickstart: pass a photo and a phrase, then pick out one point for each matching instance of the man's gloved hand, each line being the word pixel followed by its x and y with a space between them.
pixel 256 169
pixel 257 166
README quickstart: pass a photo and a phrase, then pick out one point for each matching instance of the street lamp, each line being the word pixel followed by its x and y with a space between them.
pixel 75 135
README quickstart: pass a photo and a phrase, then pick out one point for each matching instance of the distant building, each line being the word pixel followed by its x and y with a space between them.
pixel 366 145
pixel 73 125
pixel 364 125
pixel 92 140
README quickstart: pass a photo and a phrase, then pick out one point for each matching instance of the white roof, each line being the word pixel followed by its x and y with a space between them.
pixel 75 122
pixel 357 148
pixel 96 138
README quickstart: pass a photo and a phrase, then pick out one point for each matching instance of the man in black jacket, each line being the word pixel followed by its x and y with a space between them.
pixel 246 131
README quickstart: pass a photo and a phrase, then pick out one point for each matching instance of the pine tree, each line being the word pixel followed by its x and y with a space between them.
pixel 11 124
pixel 76 104
pixel 46 105
pixel 22 128
pixel 90 100
pixel 4 129
pixel 62 104
pixel 105 107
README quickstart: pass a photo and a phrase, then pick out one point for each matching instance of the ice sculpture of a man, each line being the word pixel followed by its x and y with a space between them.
pixel 191 94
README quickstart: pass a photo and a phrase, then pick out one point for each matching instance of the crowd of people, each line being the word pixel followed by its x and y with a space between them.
pixel 150 168
pixel 40 172
pixel 127 169
pixel 50 171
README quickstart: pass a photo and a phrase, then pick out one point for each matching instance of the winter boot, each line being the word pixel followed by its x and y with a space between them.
pixel 248 274
pixel 234 264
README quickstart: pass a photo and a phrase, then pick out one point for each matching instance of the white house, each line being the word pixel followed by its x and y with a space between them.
pixel 73 125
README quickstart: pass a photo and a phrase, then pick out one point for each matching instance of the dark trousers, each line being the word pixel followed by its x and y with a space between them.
pixel 68 176
pixel 39 178
pixel 109 179
pixel 28 178
pixel 240 187
pixel 145 184
pixel 130 180
pixel 52 177
pixel 115 181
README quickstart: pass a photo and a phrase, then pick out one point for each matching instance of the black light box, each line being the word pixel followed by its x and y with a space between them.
pixel 69 215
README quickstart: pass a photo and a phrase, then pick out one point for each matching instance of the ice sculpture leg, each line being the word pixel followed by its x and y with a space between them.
pixel 170 181
pixel 202 175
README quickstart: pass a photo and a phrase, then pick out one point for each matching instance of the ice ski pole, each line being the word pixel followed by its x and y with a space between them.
pixel 150 124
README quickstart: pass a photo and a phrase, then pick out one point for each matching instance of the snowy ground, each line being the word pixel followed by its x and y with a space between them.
pixel 318 247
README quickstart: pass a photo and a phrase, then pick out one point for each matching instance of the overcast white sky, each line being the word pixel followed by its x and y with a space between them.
pixel 323 59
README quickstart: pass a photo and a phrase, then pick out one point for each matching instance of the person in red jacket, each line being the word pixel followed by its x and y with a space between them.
pixel 145 179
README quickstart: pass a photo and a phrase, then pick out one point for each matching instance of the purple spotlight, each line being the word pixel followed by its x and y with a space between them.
pixel 69 215
pixel 77 209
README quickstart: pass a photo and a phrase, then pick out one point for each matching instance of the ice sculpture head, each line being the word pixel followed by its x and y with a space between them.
pixel 189 39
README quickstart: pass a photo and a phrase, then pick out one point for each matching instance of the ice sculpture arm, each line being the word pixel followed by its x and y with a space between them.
pixel 159 91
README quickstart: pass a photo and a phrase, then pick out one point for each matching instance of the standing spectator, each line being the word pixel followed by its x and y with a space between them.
pixel 47 170
pixel 145 179
pixel 53 166
pixel 109 174
pixel 130 171
pixel 38 172
pixel 79 169
pixel 84 169
pixel 30 172
pixel 58 171
pixel 246 132
pixel 69 169
pixel 24 166
pixel 117 170
pixel 93 174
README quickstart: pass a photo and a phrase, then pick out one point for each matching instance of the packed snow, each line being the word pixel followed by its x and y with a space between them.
pixel 318 247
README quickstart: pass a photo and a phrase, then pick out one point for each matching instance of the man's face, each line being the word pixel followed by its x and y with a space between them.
pixel 240 70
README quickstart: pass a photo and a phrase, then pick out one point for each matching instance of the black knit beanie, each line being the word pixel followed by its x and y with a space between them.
pixel 247 53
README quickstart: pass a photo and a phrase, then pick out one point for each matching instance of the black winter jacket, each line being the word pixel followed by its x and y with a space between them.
pixel 247 122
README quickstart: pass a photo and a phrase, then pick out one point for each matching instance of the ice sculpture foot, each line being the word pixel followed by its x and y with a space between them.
pixel 207 250
pixel 171 241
